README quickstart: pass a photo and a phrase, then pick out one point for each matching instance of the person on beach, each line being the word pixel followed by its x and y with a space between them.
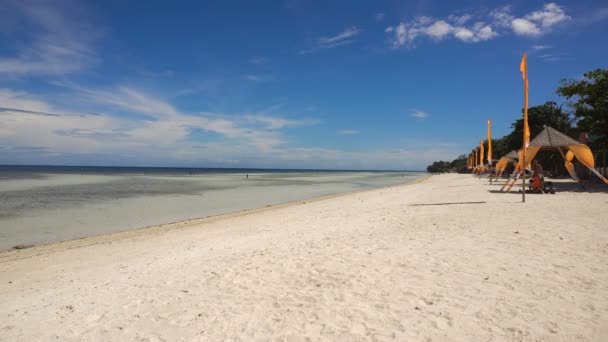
pixel 539 177
pixel 538 169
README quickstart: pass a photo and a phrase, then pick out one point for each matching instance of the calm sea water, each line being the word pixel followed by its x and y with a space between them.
pixel 45 204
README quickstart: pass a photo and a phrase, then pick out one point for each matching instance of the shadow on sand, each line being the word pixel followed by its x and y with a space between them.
pixel 562 185
pixel 449 203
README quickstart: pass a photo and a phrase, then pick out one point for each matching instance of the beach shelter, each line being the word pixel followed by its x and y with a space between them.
pixel 504 161
pixel 552 139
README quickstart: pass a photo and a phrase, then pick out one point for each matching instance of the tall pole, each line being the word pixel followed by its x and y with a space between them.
pixel 524 70
pixel 523 170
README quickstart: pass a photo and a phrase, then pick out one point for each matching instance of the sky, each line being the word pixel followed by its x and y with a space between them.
pixel 385 85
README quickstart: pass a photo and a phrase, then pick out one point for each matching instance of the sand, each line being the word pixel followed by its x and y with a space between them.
pixel 445 259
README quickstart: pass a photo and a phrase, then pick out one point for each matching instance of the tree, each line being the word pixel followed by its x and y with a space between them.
pixel 589 99
pixel 459 163
pixel 548 114
pixel 500 147
pixel 439 166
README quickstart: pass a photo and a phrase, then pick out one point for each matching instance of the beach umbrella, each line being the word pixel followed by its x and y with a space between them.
pixel 552 139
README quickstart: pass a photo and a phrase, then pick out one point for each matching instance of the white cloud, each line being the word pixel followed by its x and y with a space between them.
pixel 439 29
pixel 348 132
pixel 550 15
pixel 460 20
pixel 379 16
pixel 399 33
pixel 502 16
pixel 23 101
pixel 474 28
pixel 405 34
pixel 347 33
pixel 165 131
pixel 525 27
pixel 257 78
pixel 63 42
pixel 540 47
pixel 535 23
pixel 127 98
pixel 273 123
pixel 464 34
pixel 554 57
pixel 419 114
pixel 341 39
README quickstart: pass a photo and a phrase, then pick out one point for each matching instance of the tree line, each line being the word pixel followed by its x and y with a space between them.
pixel 586 111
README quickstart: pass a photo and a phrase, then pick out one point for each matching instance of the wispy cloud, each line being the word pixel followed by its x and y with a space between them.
pixel 274 123
pixel 164 129
pixel 474 28
pixel 347 33
pixel 546 53
pixel 257 78
pixel 166 139
pixel 348 132
pixel 540 47
pixel 63 42
pixel 343 38
pixel 379 16
pixel 597 16
pixel 418 114
pixel 554 57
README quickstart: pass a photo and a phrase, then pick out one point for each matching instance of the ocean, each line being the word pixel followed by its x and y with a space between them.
pixel 46 204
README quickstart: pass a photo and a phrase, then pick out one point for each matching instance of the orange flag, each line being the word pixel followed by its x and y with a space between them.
pixel 524 71
pixel 481 153
pixel 490 142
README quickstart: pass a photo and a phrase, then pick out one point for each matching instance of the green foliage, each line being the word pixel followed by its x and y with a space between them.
pixel 589 99
pixel 500 147
pixel 439 166
pixel 548 114
pixel 459 164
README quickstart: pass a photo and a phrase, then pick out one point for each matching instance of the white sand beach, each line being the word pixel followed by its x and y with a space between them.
pixel 445 259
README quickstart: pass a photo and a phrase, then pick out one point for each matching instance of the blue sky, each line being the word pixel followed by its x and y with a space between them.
pixel 278 84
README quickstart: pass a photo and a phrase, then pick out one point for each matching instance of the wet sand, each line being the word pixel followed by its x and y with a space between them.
pixel 57 207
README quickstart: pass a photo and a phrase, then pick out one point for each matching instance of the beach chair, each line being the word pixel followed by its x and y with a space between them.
pixel 511 181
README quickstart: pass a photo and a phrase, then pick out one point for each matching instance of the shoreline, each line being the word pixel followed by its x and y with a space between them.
pixel 38 249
